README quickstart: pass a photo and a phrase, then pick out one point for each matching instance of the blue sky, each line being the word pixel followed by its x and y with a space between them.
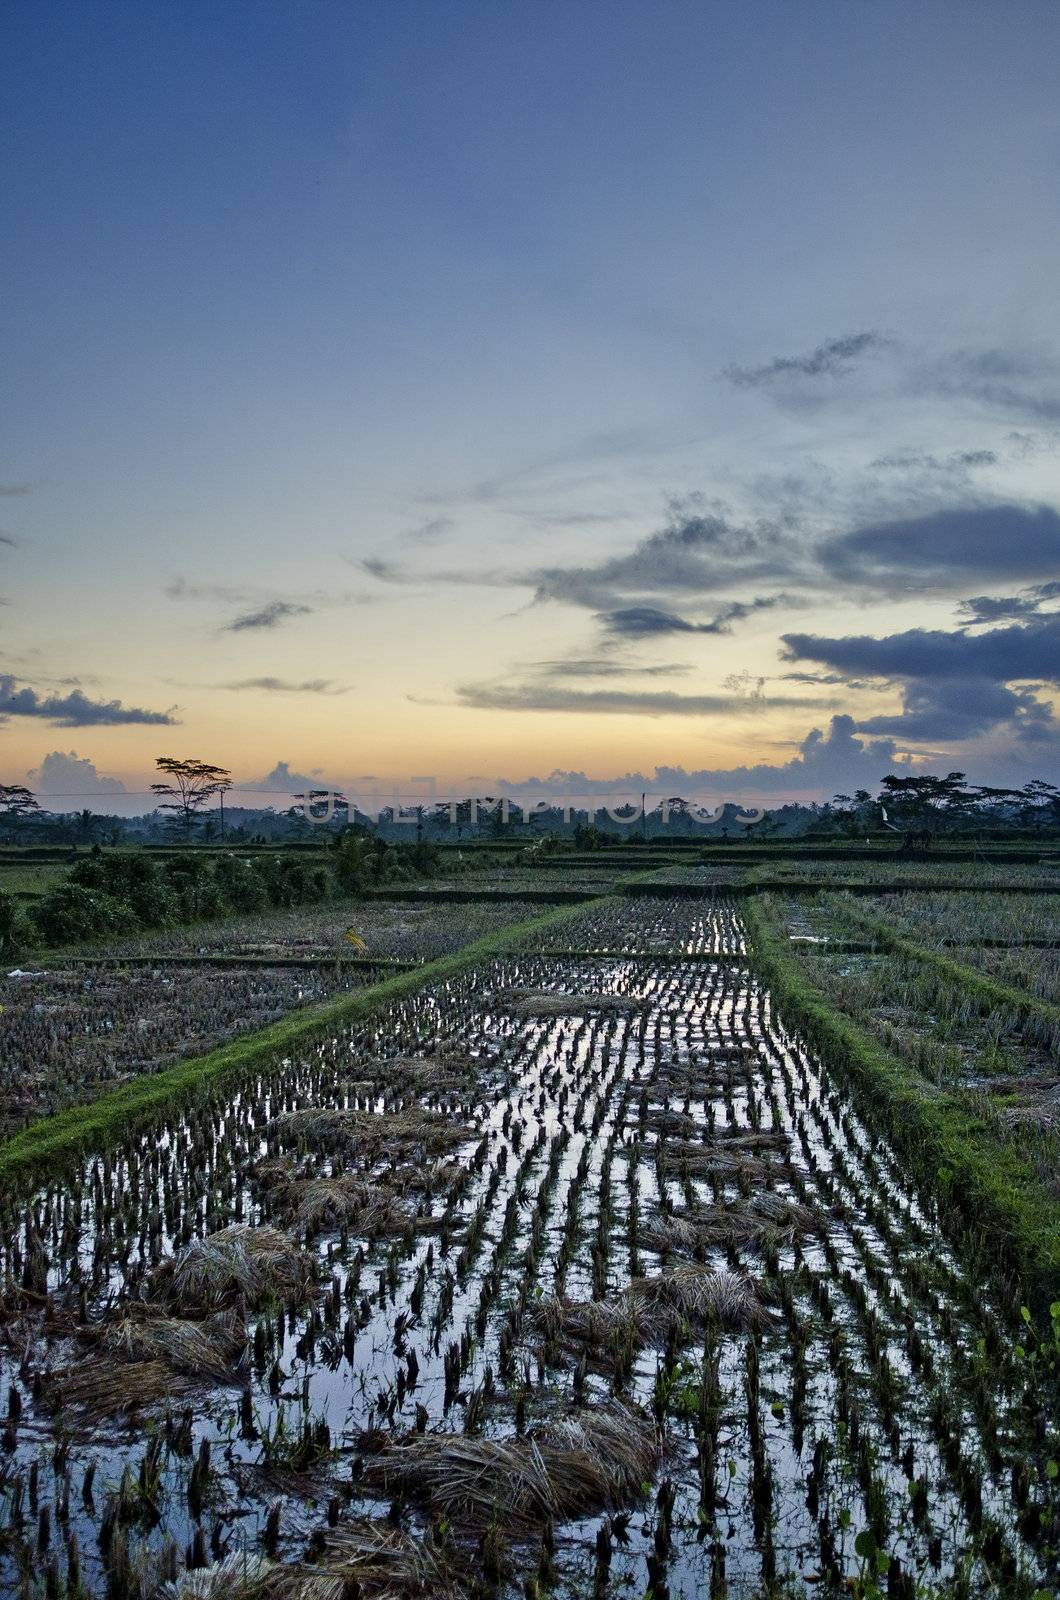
pixel 380 378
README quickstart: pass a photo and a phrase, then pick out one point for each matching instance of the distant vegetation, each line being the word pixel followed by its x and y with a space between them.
pixel 121 892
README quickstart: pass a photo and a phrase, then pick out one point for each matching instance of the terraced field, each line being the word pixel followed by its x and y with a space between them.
pixel 579 1274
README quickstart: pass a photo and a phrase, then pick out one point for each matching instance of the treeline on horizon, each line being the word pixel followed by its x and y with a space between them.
pixel 921 803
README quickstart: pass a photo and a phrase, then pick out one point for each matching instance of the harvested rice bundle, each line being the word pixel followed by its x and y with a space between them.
pixel 550 1004
pixel 348 1200
pixel 333 1127
pixel 240 1576
pixel 729 1299
pixel 379 1562
pixel 209 1349
pixel 596 1459
pixel 766 1218
pixel 254 1265
pixel 614 1327
pixel 374 1560
pixel 617 1322
pixel 105 1386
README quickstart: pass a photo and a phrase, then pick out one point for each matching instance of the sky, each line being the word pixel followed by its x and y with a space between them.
pixel 529 397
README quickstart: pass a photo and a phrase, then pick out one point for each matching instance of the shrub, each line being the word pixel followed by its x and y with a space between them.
pixel 71 912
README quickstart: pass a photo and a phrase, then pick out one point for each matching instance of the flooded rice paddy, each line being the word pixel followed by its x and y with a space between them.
pixel 576 1276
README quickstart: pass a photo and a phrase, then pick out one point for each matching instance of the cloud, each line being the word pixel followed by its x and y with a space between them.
pixel 701 552
pixel 956 685
pixel 181 589
pixel 267 616
pixel 386 571
pixel 8 539
pixel 285 686
pixel 1012 382
pixel 831 359
pixel 958 709
pixel 282 780
pixel 646 621
pixel 620 702
pixel 826 763
pixel 947 547
pixel 74 710
pixel 607 667
pixel 11 491
pixel 957 462
pixel 65 774
pixel 434 528
pixel 1028 653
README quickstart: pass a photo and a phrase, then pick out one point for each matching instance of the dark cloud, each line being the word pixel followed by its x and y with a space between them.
pixel 988 608
pixel 269 615
pixel 958 709
pixel 695 553
pixel 65 773
pixel 955 686
pixel 74 710
pixel 1028 653
pixel 831 359
pixel 8 539
pixel 646 621
pixel 940 549
pixel 11 491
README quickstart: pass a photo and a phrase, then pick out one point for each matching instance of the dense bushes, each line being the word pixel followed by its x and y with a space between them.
pixel 14 929
pixel 122 891
pixel 363 861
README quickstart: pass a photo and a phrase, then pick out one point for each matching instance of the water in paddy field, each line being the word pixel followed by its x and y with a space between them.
pixel 576 1276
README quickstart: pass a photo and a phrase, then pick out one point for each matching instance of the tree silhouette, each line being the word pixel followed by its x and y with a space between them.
pixel 192 784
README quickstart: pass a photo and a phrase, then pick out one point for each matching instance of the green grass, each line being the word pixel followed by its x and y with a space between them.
pixel 28 880
pixel 46 1145
pixel 981 1182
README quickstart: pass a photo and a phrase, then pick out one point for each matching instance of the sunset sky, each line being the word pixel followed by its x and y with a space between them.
pixel 591 392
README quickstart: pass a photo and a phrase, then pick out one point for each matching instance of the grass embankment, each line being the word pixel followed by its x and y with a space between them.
pixel 984 1185
pixel 46 1144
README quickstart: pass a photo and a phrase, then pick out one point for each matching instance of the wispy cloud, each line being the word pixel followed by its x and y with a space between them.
pixel 270 615
pixel 286 686
pixel 15 491
pixel 431 531
pixel 621 702
pixel 642 622
pixel 607 667
pixel 830 359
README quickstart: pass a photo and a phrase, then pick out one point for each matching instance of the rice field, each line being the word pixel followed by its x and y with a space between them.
pixel 939 873
pixel 578 1275
pixel 67 1033
pixel 397 931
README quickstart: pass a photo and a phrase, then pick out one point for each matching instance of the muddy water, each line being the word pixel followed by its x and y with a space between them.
pixel 882 1394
